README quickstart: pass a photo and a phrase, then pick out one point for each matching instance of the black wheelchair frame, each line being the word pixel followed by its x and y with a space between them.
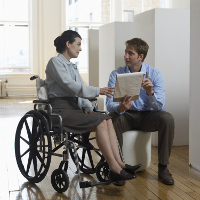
pixel 33 147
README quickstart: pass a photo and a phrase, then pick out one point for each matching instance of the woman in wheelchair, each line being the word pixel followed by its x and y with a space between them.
pixel 68 97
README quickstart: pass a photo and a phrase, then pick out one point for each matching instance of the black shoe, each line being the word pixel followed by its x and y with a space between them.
pixel 122 176
pixel 164 175
pixel 119 183
pixel 131 169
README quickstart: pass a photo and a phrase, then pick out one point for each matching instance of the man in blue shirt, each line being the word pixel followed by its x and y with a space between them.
pixel 147 113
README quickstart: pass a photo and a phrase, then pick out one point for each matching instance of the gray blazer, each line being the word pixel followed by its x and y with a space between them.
pixel 63 80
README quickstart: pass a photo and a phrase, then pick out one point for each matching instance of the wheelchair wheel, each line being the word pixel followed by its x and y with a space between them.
pixel 60 180
pixel 86 151
pixel 102 172
pixel 33 146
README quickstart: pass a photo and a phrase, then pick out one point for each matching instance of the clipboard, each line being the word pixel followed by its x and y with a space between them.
pixel 129 83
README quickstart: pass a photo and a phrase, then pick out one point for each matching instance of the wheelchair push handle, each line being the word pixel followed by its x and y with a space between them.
pixel 34 77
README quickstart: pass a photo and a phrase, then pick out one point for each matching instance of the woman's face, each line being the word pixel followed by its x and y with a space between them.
pixel 74 48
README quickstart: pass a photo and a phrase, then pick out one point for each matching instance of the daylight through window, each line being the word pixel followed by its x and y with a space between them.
pixel 14 36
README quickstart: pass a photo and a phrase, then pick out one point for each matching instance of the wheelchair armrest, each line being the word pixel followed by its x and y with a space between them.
pixel 101 111
pixel 93 99
pixel 40 101
pixel 95 109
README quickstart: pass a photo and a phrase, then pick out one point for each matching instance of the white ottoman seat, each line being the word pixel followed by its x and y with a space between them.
pixel 137 148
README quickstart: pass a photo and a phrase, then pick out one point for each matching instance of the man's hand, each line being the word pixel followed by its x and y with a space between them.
pixel 108 91
pixel 125 103
pixel 89 112
pixel 147 85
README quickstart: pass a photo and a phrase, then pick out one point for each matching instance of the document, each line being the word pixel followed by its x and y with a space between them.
pixel 129 83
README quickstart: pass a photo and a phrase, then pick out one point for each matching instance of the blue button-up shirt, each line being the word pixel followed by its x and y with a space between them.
pixel 145 102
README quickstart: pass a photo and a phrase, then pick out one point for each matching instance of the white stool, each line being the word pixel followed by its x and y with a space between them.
pixel 137 148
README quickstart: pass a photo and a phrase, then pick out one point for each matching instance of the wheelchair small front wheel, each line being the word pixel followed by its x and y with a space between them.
pixel 102 172
pixel 60 180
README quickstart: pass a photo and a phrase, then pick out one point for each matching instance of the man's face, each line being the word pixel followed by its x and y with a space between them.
pixel 131 57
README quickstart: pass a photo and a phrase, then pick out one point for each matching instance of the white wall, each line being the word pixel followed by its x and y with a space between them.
pixel 50 26
pixel 194 124
pixel 47 24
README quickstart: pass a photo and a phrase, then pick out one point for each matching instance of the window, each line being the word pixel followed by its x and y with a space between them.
pixel 139 6
pixel 14 36
pixel 91 14
pixel 82 15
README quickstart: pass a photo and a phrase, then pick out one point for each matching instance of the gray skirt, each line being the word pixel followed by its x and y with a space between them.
pixel 73 118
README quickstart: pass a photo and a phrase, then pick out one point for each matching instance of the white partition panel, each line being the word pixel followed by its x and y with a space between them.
pixel 112 39
pixel 172 50
pixel 194 124
pixel 167 32
pixel 93 53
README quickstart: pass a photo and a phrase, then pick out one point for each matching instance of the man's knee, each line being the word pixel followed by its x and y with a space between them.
pixel 116 118
pixel 167 118
pixel 120 122
pixel 114 115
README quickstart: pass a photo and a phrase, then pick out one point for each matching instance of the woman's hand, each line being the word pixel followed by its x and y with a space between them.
pixel 108 91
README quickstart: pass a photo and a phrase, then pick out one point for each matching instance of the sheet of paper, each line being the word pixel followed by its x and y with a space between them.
pixel 129 83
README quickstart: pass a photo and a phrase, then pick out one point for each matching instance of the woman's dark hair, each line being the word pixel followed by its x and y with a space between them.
pixel 60 41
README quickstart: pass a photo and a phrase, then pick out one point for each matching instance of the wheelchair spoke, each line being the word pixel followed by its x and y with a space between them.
pixel 35 164
pixel 27 142
pixel 34 127
pixel 99 154
pixel 28 150
pixel 42 146
pixel 28 130
pixel 83 157
pixel 90 158
pixel 40 158
pixel 29 162
pixel 39 133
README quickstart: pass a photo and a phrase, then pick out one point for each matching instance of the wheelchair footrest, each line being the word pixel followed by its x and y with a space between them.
pixel 86 184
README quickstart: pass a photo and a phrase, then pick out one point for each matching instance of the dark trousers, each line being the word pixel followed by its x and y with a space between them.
pixel 148 121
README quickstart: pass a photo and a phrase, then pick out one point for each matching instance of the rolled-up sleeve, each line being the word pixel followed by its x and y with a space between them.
pixel 157 101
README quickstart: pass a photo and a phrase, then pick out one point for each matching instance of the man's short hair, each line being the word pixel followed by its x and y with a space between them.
pixel 140 46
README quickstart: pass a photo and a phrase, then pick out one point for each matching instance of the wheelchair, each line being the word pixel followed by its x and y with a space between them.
pixel 40 134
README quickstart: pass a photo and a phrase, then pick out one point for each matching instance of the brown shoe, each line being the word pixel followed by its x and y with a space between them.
pixel 164 175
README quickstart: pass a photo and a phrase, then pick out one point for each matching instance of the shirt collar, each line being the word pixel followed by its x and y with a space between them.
pixel 66 61
pixel 143 69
